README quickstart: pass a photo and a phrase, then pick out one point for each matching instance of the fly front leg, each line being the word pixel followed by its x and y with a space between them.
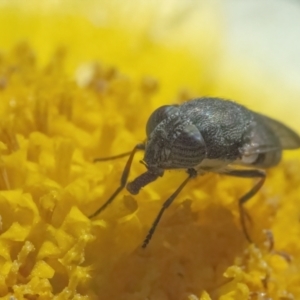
pixel 247 174
pixel 124 176
pixel 192 173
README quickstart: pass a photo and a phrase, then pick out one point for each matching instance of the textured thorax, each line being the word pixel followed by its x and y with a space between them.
pixel 224 125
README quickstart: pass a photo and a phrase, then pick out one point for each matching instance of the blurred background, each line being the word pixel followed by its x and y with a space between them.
pixel 245 50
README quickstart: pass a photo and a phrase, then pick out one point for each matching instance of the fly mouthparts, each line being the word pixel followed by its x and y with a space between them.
pixel 141 181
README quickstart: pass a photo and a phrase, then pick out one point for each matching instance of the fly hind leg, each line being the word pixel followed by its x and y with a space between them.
pixel 247 174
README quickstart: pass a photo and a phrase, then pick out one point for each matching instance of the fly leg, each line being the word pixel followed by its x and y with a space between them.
pixel 192 173
pixel 247 174
pixel 124 176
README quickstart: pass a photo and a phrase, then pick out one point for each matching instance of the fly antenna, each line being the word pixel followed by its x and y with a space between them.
pixel 112 157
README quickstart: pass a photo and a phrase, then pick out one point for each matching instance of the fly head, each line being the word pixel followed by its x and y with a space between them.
pixel 173 142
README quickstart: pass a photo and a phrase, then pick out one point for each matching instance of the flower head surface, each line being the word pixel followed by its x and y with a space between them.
pixel 54 122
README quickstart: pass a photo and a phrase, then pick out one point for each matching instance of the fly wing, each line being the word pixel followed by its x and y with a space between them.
pixel 268 139
pixel 288 138
pixel 263 138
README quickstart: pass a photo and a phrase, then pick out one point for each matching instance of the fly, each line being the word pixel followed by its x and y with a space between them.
pixel 207 135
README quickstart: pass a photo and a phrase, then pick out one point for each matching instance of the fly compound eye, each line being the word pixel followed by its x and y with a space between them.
pixel 142 180
pixel 188 147
pixel 159 115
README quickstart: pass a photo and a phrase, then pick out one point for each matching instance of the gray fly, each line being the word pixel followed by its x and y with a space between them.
pixel 207 135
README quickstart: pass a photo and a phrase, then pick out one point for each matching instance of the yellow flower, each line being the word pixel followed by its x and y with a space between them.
pixel 90 99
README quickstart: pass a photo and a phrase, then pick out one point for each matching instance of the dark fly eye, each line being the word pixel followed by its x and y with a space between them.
pixel 158 115
pixel 189 146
